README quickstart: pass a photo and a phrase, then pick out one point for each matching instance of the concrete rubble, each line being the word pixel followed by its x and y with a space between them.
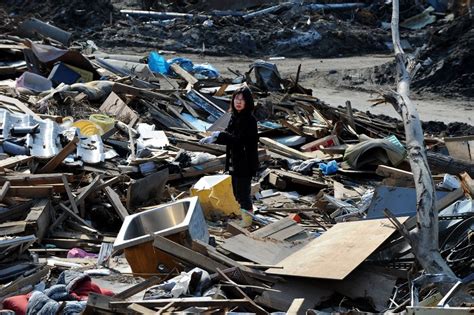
pixel 110 205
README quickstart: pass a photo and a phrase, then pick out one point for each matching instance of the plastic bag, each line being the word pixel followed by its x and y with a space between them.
pixel 328 168
pixel 157 63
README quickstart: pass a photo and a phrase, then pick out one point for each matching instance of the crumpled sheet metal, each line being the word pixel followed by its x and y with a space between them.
pixel 44 144
pixel 91 149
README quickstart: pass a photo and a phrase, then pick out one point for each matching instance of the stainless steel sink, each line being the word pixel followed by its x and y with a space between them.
pixel 165 220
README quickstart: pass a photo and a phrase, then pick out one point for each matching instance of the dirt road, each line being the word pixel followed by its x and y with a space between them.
pixel 429 107
pixel 314 74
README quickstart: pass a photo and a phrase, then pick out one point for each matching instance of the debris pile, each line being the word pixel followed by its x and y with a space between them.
pixel 109 202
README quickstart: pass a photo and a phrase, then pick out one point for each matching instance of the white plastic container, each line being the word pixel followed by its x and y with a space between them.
pixel 33 82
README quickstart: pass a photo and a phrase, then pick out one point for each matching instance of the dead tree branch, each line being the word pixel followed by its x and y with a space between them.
pixel 424 239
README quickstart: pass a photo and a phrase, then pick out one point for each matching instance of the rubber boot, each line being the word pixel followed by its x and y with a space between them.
pixel 246 218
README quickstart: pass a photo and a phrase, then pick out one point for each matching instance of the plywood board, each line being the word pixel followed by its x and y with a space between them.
pixel 265 252
pixel 336 253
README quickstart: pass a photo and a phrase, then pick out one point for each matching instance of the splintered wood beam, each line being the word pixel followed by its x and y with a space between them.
pixel 56 160
pixel 75 216
pixel 4 190
pixel 69 195
pixel 184 74
pixel 116 202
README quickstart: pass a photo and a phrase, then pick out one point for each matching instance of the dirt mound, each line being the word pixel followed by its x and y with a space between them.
pixel 67 14
pixel 449 59
pixel 450 130
pixel 289 33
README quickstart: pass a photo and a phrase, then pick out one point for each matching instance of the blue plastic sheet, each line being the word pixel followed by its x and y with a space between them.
pixel 184 63
pixel 205 71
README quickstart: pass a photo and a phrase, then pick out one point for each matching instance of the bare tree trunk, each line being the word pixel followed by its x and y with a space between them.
pixel 424 239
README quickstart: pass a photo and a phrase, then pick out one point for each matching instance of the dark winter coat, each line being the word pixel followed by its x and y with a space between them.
pixel 241 139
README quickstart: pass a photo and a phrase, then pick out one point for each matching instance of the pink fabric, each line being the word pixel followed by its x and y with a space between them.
pixel 79 253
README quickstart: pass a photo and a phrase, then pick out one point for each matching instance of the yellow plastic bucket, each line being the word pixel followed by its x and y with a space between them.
pixel 104 121
pixel 216 195
pixel 88 128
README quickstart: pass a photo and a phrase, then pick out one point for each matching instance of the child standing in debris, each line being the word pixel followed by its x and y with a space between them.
pixel 241 140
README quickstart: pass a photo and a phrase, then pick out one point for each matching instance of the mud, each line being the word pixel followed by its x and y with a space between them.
pixel 451 58
pixel 76 16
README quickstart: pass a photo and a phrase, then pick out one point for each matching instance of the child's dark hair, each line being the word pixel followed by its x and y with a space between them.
pixel 248 98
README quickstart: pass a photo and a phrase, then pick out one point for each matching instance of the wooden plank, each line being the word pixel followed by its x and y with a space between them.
pixel 115 107
pixel 40 217
pixel 300 179
pixel 13 227
pixel 186 254
pixel 141 309
pixel 287 233
pixel 206 249
pixel 56 160
pixel 467 183
pixel 184 302
pixel 295 130
pixel 274 227
pixel 266 252
pixel 14 161
pixel 235 229
pixel 186 105
pixel 116 203
pixel 296 307
pixel 110 182
pixel 16 211
pixel 221 90
pixel 20 105
pixel 336 253
pixel 184 74
pixel 69 195
pixel 290 152
pixel 350 115
pixel 180 117
pixel 30 191
pixel 36 179
pixel 97 302
pixel 4 190
pixel 387 171
pixel 88 189
pixel 449 199
pixel 128 89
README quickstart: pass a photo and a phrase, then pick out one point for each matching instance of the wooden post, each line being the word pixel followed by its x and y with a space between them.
pixel 350 116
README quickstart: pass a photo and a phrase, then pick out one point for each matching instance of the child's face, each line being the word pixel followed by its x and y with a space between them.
pixel 239 102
